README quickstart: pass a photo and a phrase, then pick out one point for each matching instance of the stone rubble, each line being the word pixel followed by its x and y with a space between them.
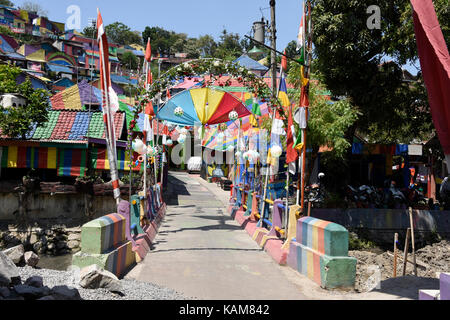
pixel 431 259
pixel 53 241
pixel 31 258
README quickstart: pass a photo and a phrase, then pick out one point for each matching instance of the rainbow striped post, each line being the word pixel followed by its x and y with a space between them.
pixel 320 252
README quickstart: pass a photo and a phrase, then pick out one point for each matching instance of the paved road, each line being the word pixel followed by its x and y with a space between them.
pixel 201 252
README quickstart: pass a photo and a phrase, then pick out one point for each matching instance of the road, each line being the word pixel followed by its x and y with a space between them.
pixel 203 253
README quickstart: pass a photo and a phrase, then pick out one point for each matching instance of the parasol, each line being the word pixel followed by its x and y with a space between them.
pixel 201 105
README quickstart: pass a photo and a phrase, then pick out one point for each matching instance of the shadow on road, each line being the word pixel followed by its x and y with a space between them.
pixel 407 286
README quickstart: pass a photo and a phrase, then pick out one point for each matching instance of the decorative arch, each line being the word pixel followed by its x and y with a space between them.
pixel 212 67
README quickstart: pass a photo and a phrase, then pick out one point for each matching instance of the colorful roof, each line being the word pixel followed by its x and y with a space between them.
pixel 75 126
pixel 76 97
pixel 250 64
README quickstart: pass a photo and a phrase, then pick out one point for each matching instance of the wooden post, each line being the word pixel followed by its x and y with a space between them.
pixel 395 254
pixel 412 240
pixel 309 208
pixel 405 254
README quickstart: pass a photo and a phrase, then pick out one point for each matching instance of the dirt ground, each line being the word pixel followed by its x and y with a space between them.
pixel 431 260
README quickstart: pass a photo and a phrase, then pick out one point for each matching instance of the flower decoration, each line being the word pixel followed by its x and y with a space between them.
pixel 276 151
pixel 178 111
pixel 233 115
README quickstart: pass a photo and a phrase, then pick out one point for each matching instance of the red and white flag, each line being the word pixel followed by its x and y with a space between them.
pixel 110 103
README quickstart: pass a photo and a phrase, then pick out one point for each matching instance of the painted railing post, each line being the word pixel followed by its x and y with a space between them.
pixel 248 211
pixel 292 225
pixel 135 214
pixel 277 214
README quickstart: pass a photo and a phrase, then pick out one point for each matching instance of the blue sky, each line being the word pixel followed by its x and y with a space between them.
pixel 194 17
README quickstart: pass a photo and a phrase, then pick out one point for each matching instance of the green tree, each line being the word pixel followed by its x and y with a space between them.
pixel 229 47
pixel 121 34
pixel 161 40
pixel 18 121
pixel 6 3
pixel 90 31
pixel 207 46
pixel 129 60
pixel 34 7
pixel 352 59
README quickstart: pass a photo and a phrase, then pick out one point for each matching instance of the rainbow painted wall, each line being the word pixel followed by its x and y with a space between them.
pixel 320 252
pixel 103 242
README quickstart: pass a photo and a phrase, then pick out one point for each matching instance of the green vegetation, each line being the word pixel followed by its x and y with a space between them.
pixel 119 33
pixel 18 121
pixel 355 243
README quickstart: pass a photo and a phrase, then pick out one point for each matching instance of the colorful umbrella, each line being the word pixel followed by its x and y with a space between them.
pixel 202 105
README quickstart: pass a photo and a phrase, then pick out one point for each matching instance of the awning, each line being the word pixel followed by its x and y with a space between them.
pixel 59 68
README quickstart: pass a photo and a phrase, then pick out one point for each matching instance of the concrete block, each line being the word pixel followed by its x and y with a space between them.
pixel 250 227
pixel 291 260
pixel 240 217
pixel 337 272
pixel 117 261
pixel 428 294
pixel 444 282
pixel 273 248
pixel 102 234
pixel 323 236
pixel 259 234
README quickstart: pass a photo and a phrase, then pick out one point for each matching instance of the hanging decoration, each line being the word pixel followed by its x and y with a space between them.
pixel 179 112
pixel 233 116
pixel 223 127
pixel 276 151
pixel 181 138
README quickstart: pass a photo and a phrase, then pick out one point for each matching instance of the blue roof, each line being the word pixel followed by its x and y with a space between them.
pixel 14 55
pixel 58 68
pixel 64 82
pixel 250 64
pixel 138 53
pixel 122 80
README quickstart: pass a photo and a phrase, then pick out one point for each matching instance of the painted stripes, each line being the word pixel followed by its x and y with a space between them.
pixel 28 157
pixel 311 233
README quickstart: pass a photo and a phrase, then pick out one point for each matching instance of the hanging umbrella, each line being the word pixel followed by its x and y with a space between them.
pixel 201 105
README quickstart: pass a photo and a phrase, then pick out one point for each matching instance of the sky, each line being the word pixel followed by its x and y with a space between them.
pixel 194 17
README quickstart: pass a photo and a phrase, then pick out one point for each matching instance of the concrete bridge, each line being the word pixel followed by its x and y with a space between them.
pixel 196 247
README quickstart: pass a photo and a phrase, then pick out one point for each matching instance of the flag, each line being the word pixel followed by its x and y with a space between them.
pixel 282 92
pixel 148 60
pixel 291 154
pixel 302 36
pixel 168 95
pixel 284 63
pixel 108 108
pixel 148 131
pixel 148 51
pixel 435 62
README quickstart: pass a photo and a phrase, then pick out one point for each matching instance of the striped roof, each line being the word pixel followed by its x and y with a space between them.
pixel 73 126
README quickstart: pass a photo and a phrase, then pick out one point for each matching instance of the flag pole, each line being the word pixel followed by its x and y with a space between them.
pixel 109 134
pixel 308 72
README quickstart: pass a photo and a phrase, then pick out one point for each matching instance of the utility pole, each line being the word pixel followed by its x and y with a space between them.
pixel 274 47
pixel 273 55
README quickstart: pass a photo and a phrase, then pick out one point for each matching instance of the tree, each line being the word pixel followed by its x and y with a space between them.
pixel 207 46
pixel 90 31
pixel 6 3
pixel 34 7
pixel 121 34
pixel 129 60
pixel 18 121
pixel 352 59
pixel 161 39
pixel 229 47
